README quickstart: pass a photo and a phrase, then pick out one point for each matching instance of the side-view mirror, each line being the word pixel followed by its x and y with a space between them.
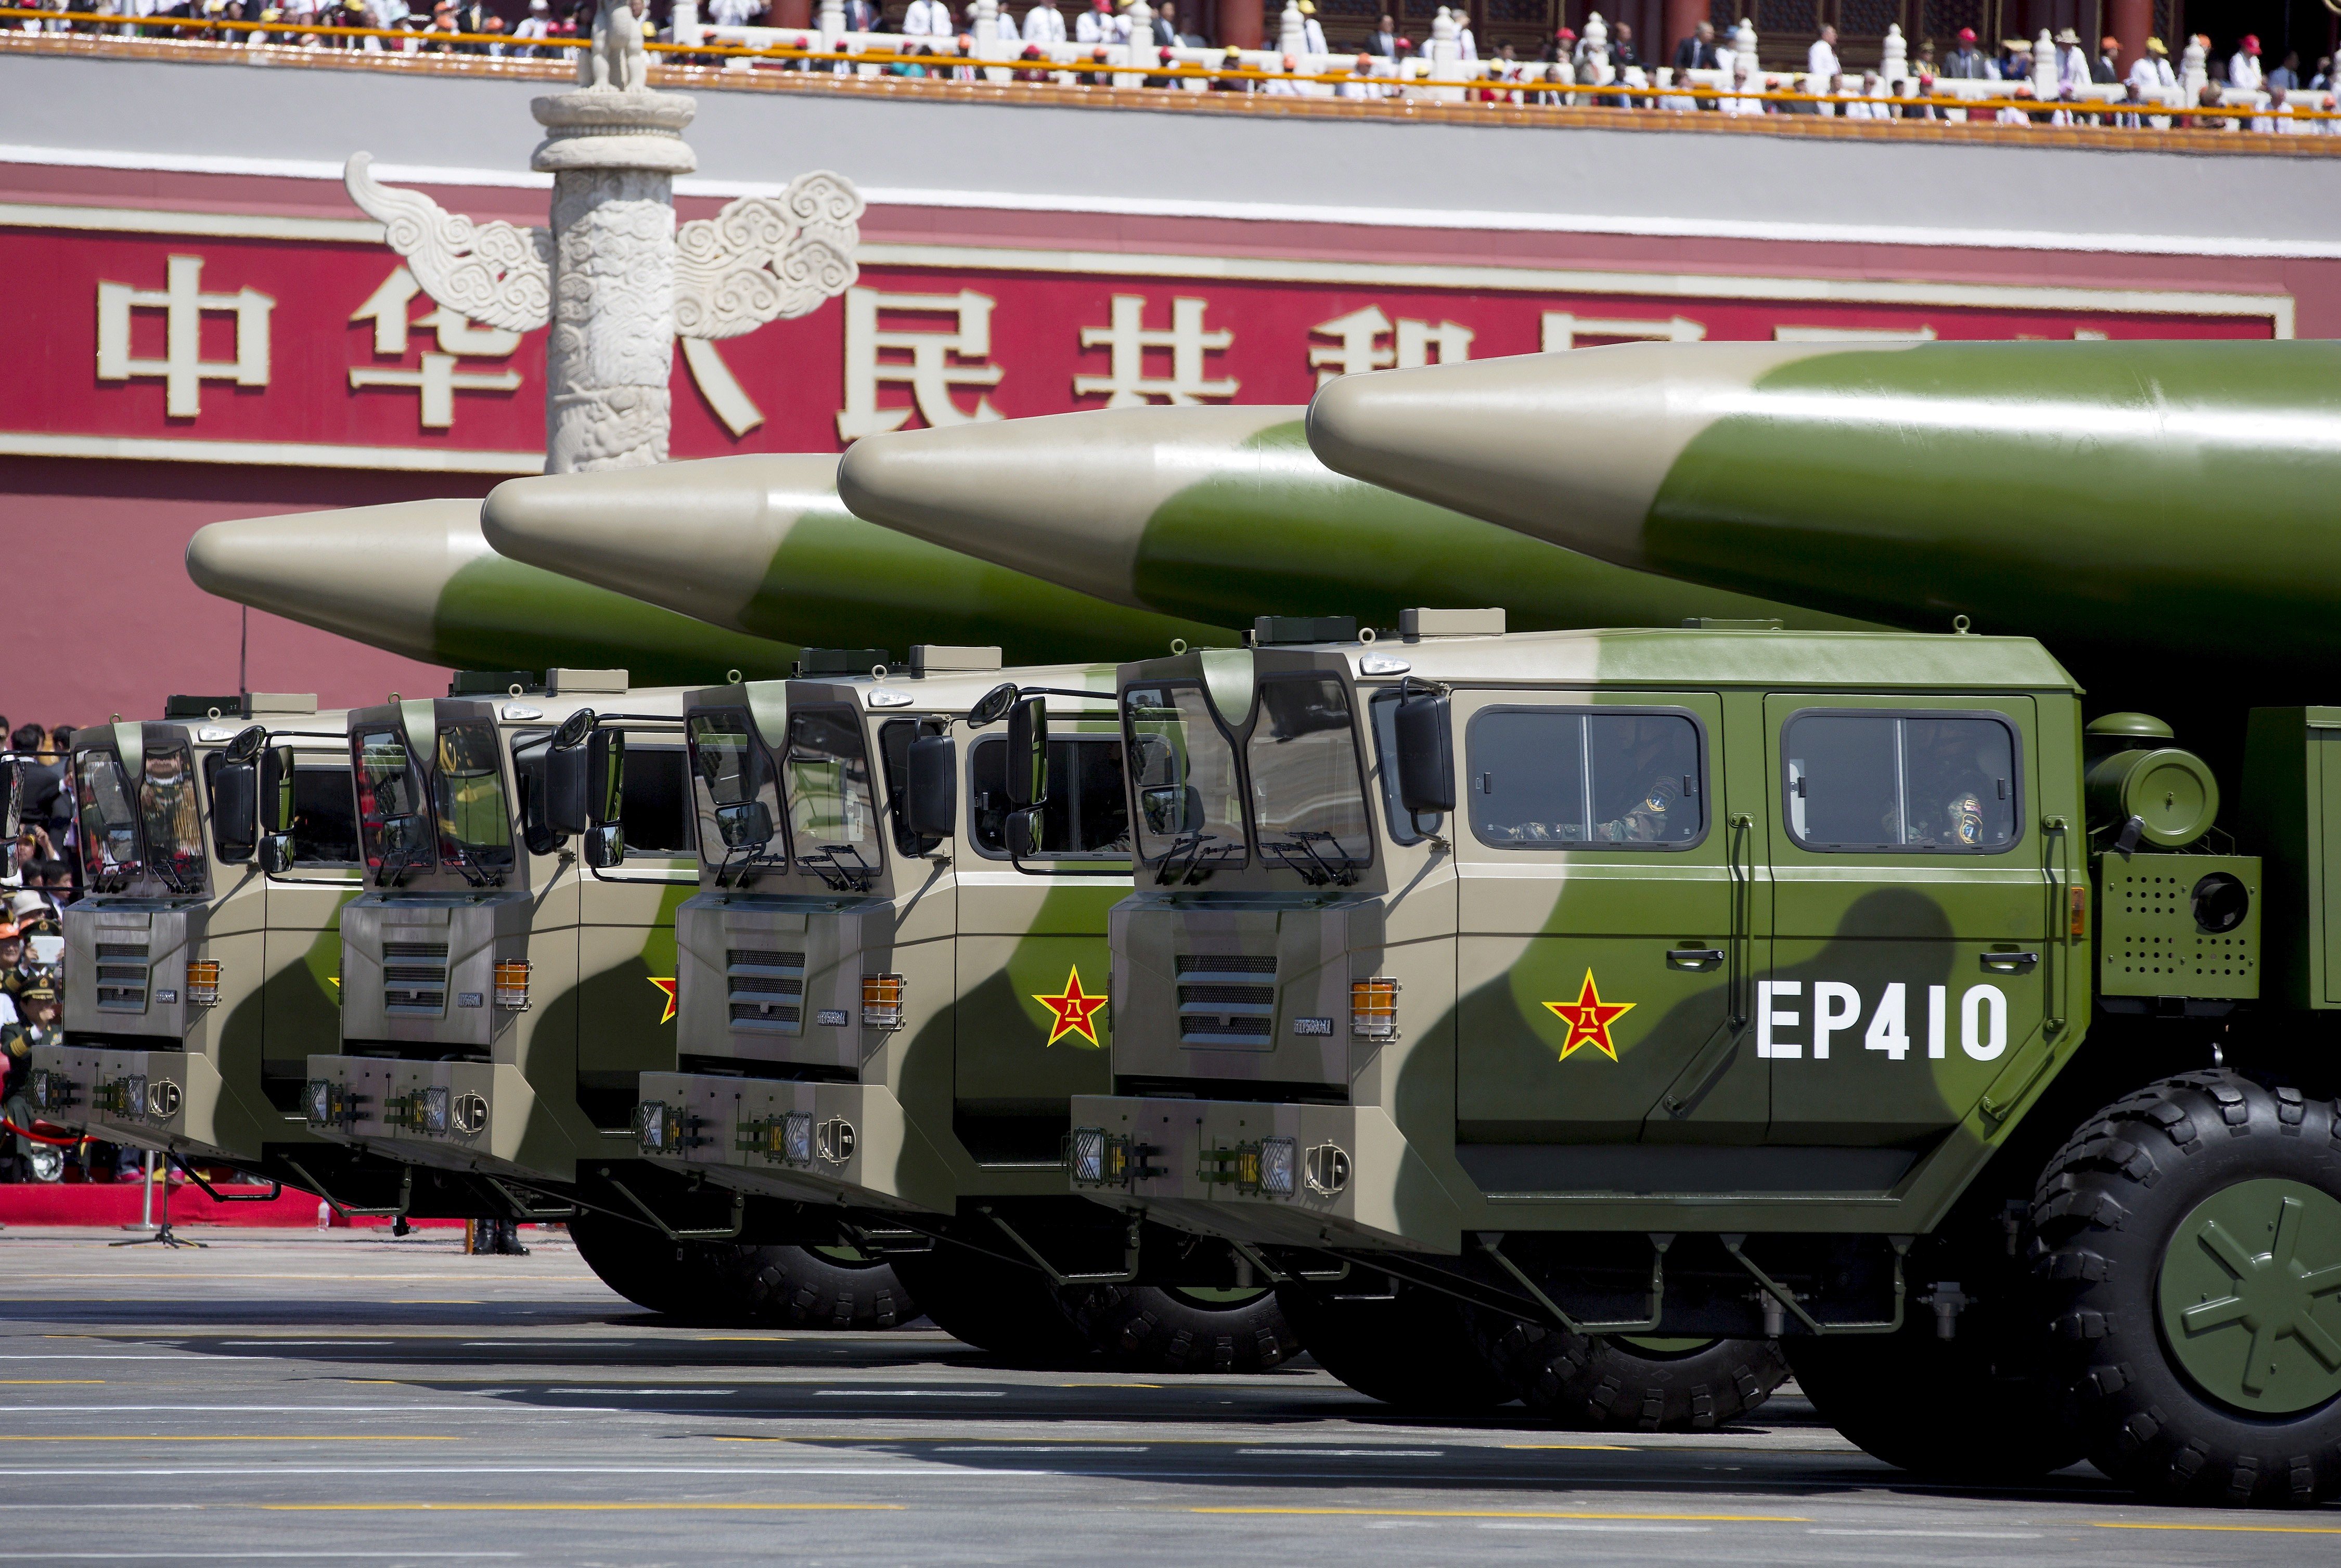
pixel 993 706
pixel 247 744
pixel 276 790
pixel 1425 753
pixel 1171 809
pixel 568 792
pixel 11 799
pixel 930 788
pixel 276 853
pixel 1023 832
pixel 605 845
pixel 744 822
pixel 1028 753
pixel 235 809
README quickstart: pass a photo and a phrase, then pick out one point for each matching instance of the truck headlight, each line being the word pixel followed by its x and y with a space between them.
pixel 435 1108
pixel 202 982
pixel 796 1137
pixel 1373 1008
pixel 1085 1155
pixel 512 985
pixel 319 1100
pixel 882 1001
pixel 1277 1157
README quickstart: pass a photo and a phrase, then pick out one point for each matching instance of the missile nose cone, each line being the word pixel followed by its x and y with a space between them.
pixel 1066 497
pixel 373 572
pixel 1570 447
pixel 696 537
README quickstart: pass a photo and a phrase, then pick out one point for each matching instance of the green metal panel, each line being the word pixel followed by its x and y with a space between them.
pixel 2148 941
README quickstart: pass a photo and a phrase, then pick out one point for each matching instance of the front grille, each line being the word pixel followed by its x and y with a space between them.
pixel 1221 1001
pixel 122 988
pixel 755 981
pixel 1227 963
pixel 415 978
pixel 132 950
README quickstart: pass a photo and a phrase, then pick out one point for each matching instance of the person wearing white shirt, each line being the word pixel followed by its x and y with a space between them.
pixel 2072 61
pixel 1284 86
pixel 2153 68
pixel 1744 106
pixel 1820 60
pixel 1044 24
pixel 926 19
pixel 1099 24
pixel 1313 34
pixel 538 25
pixel 2244 68
pixel 1467 47
pixel 721 13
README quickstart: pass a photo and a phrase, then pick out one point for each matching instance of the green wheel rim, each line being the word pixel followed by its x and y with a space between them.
pixel 1655 1344
pixel 1218 1298
pixel 2250 1296
pixel 851 1256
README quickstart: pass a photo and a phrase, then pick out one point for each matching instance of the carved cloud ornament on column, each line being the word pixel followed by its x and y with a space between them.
pixel 616 278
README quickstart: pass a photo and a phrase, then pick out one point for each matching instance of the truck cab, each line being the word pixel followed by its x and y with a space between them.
pixel 196 970
pixel 1623 934
pixel 505 979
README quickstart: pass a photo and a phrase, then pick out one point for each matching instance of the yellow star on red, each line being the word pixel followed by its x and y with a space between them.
pixel 667 987
pixel 1075 1010
pixel 1589 1018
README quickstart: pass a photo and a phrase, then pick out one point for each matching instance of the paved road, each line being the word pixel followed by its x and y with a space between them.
pixel 351 1400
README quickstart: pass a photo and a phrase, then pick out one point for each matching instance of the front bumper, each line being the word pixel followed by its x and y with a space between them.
pixel 451 1115
pixel 1273 1174
pixel 160 1100
pixel 807 1142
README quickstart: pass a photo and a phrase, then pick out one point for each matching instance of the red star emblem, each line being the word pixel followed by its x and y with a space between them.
pixel 1589 1018
pixel 667 988
pixel 1076 1011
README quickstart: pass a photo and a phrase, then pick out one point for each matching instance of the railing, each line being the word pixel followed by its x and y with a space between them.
pixel 1635 95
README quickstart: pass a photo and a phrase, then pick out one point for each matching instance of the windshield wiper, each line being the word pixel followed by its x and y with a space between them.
pixel 477 875
pixel 1192 869
pixel 836 876
pixel 1341 868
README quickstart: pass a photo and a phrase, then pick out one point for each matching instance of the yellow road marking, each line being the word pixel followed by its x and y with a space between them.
pixel 216 1438
pixel 1511 1513
pixel 46 1381
pixel 2238 1528
pixel 745 1338
pixel 1577 1447
pixel 1109 1385
pixel 582 1507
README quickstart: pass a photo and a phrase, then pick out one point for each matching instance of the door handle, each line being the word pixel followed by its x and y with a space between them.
pixel 2011 963
pixel 1694 957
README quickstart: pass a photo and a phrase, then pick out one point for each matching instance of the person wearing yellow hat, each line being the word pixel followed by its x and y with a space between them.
pixel 1312 33
pixel 2152 70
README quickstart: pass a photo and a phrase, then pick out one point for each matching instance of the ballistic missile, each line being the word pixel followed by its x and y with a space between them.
pixel 762 545
pixel 2116 499
pixel 1222 513
pixel 417 578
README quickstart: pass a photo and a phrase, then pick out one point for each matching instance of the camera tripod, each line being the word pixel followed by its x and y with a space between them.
pixel 163 1235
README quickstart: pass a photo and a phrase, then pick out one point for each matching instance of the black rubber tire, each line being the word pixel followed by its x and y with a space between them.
pixel 1159 1328
pixel 1983 1406
pixel 2105 1213
pixel 995 1306
pixel 1412 1348
pixel 1594 1382
pixel 802 1287
pixel 636 1262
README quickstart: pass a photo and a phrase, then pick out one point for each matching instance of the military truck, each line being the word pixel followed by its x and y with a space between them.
pixel 509 972
pixel 891 984
pixel 197 972
pixel 1834 990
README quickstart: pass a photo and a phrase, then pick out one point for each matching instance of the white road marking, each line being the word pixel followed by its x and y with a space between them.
pixel 1941 1534
pixel 1607 1529
pixel 1347 1453
pixel 909 1392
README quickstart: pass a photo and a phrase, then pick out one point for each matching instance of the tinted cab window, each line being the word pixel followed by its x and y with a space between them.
pixel 1557 777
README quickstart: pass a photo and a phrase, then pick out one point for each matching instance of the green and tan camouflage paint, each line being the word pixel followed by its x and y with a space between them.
pixel 762 545
pixel 967 1097
pixel 1483 1115
pixel 556 1086
pixel 209 1065
pixel 2117 500
pixel 417 578
pixel 1222 514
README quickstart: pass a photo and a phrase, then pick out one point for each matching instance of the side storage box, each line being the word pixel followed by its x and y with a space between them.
pixel 2179 926
pixel 2291 818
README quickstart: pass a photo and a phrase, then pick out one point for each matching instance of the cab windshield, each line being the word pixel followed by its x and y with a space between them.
pixel 1308 793
pixel 390 805
pixel 832 810
pixel 733 793
pixel 170 824
pixel 109 817
pixel 467 790
pixel 1183 774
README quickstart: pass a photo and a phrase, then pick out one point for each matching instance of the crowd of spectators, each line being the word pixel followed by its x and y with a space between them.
pixel 40 877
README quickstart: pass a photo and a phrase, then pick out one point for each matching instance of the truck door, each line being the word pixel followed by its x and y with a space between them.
pixel 301 1000
pixel 1909 914
pixel 1596 902
pixel 1032 957
pixel 625 954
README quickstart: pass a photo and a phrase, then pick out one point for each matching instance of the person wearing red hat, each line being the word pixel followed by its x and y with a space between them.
pixel 2244 67
pixel 1966 62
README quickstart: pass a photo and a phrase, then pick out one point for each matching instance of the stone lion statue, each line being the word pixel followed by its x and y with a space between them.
pixel 617 61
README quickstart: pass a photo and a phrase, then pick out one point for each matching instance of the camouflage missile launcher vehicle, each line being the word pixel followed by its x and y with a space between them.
pixel 891 984
pixel 508 973
pixel 1831 990
pixel 198 971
